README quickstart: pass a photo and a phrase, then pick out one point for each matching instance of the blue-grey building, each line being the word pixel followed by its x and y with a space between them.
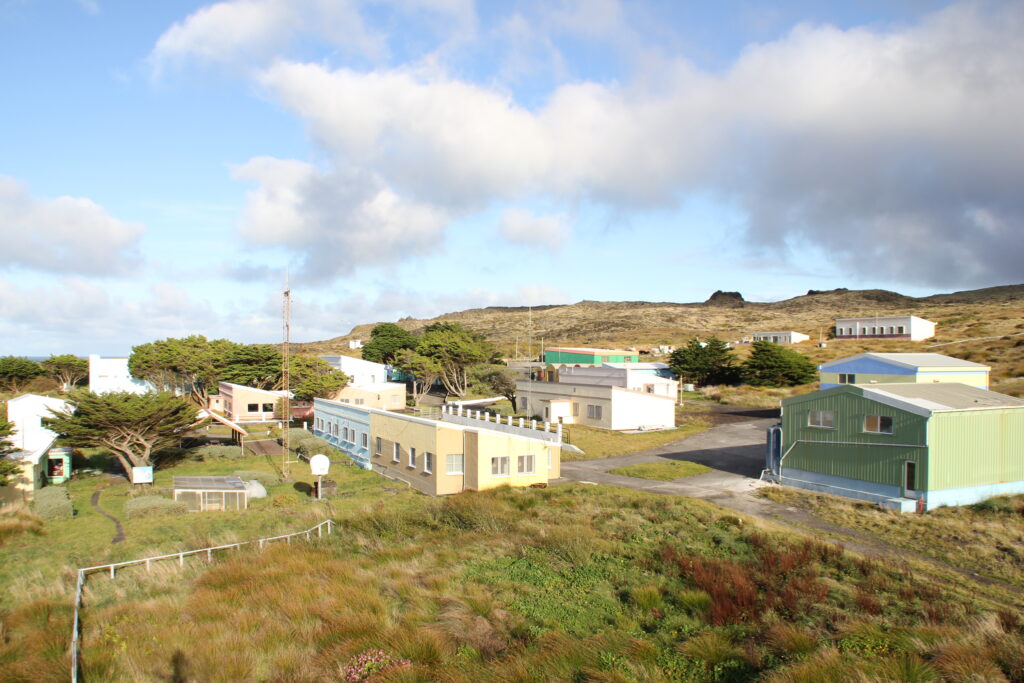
pixel 345 427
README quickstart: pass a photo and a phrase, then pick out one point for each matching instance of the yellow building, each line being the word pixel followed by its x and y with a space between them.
pixel 383 395
pixel 442 456
pixel 897 368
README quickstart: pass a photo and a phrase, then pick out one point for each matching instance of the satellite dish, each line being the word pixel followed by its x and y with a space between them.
pixel 319 464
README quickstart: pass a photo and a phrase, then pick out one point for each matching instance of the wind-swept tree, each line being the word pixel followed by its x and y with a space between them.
pixel 773 365
pixel 312 377
pixel 703 363
pixel 386 339
pixel 132 426
pixel 455 349
pixel 66 369
pixel 424 371
pixel 256 365
pixel 191 366
pixel 8 468
pixel 497 378
pixel 16 372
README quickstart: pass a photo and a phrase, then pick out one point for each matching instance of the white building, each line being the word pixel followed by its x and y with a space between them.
pixel 785 337
pixel 361 372
pixel 596 405
pixel 885 327
pixel 108 375
pixel 620 375
pixel 33 441
pixel 355 344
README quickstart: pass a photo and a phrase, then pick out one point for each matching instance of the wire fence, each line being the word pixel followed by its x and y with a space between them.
pixel 327 524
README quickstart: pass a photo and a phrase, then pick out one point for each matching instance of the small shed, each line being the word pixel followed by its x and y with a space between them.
pixel 202 494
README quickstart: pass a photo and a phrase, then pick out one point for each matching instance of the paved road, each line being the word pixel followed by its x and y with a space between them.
pixel 733 448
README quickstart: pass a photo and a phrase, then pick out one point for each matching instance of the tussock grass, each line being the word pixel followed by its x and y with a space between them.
pixel 17 523
pixel 667 470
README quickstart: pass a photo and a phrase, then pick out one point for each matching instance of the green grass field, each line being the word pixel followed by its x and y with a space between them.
pixel 602 443
pixel 662 471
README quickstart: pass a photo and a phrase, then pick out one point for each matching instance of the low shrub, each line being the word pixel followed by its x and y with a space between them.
pixel 265 478
pixel 153 506
pixel 52 503
pixel 207 453
pixel 369 664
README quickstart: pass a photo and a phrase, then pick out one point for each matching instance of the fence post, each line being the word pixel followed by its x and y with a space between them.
pixel 261 544
pixel 181 559
pixel 319 530
pixel 111 571
pixel 209 555
pixel 147 565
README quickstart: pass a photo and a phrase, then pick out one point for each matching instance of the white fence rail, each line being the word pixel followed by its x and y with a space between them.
pixel 113 567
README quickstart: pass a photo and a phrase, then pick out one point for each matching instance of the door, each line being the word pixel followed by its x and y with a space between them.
pixel 774 452
pixel 909 479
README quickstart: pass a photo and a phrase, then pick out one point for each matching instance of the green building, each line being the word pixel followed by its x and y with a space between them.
pixel 904 446
pixel 585 356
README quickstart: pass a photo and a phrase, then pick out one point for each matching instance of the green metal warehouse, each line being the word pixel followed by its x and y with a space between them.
pixel 905 446
pixel 588 356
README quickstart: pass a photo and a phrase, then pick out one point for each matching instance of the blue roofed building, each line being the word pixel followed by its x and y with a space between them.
pixel 889 368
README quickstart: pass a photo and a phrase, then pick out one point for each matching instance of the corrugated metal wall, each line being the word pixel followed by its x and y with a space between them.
pixel 846 450
pixel 976 447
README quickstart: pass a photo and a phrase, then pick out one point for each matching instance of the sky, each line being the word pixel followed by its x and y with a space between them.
pixel 164 165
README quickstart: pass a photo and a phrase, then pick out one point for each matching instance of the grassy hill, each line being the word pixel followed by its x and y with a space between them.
pixel 993 312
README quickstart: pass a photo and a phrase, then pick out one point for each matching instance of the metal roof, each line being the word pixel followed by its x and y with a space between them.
pixel 209 483
pixel 911 360
pixel 940 396
pixel 589 351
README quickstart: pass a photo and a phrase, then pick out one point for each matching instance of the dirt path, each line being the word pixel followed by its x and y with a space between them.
pixel 95 500
pixel 734 449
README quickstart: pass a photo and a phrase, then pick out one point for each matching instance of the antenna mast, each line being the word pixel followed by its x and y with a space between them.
pixel 286 400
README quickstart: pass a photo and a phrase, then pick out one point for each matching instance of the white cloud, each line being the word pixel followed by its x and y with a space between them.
pixel 239 31
pixel 339 221
pixel 522 227
pixel 876 145
pixel 66 234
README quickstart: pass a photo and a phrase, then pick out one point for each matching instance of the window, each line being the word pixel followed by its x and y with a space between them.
pixel 454 463
pixel 363 440
pixel 821 418
pixel 396 453
pixel 428 462
pixel 910 476
pixel 605 359
pixel 268 407
pixel 892 330
pixel 412 457
pixel 344 434
pixel 360 401
pixel 525 464
pixel 377 447
pixel 594 412
pixel 344 400
pixel 902 329
pixel 847 378
pixel 499 466
pixel 878 424
pixel 547 413
pixel 253 407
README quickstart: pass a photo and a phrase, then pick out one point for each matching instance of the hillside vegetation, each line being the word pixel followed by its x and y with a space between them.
pixel 994 312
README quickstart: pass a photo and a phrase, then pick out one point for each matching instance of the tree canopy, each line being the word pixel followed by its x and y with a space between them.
pixel 16 371
pixel 8 467
pixel 313 377
pixel 773 365
pixel 455 349
pixel 66 369
pixel 703 363
pixel 132 426
pixel 190 365
pixel 424 370
pixel 386 339
pixel 496 378
pixel 257 365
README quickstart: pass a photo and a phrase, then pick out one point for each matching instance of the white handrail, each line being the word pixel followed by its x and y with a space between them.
pixel 329 523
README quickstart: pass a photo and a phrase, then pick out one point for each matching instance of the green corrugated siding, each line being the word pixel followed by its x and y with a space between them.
pixel 590 359
pixel 976 447
pixel 882 463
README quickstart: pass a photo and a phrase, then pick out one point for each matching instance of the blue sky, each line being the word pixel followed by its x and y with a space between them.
pixel 162 164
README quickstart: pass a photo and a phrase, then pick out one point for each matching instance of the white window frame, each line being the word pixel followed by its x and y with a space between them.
pixel 396 454
pixel 878 423
pixel 378 447
pixel 364 440
pixel 595 412
pixel 820 423
pixel 500 466
pixel 526 458
pixel 847 378
pixel 412 457
pixel 460 463
pixel 428 462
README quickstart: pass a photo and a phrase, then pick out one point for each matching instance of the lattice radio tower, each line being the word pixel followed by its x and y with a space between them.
pixel 286 400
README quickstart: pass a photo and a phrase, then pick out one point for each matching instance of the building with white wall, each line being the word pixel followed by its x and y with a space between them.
pixel 783 337
pixel 360 372
pixel 108 375
pixel 33 441
pixel 596 405
pixel 620 375
pixel 908 327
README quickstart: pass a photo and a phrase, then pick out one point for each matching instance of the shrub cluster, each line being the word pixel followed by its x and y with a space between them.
pixel 368 664
pixel 207 453
pixel 53 502
pixel 153 506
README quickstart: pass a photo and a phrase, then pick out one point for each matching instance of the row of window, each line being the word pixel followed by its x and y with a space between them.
pixel 344 433
pixel 500 464
pixel 873 424
pixel 593 412
pixel 877 329
pixel 255 408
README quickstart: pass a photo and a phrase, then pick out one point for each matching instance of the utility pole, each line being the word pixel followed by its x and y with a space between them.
pixel 286 400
